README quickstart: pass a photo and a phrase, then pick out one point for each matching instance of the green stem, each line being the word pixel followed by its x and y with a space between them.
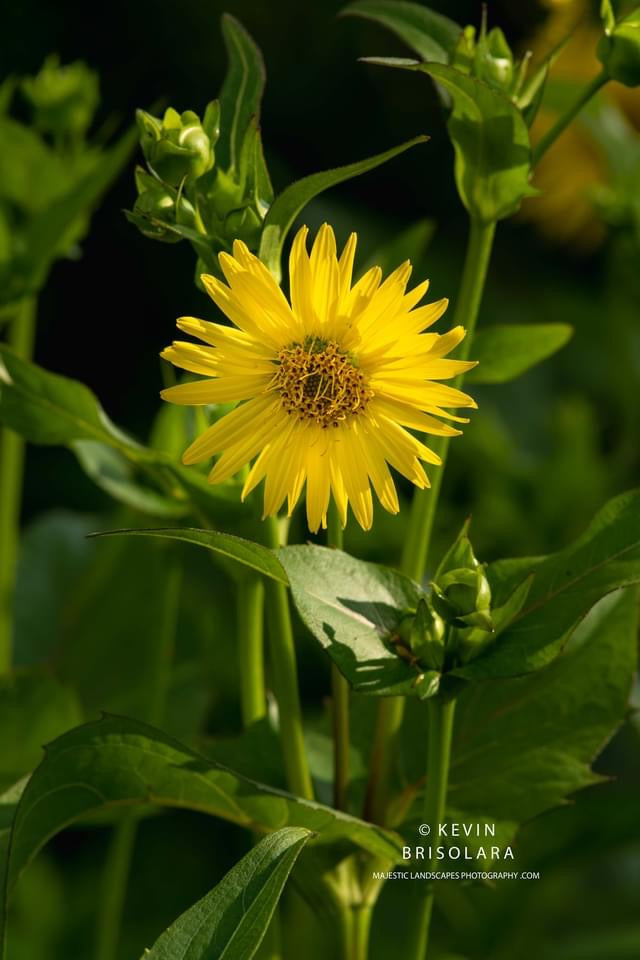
pixel 285 680
pixel 423 509
pixel 440 731
pixel 563 122
pixel 20 337
pixel 340 696
pixel 250 610
pixel 361 925
pixel 120 854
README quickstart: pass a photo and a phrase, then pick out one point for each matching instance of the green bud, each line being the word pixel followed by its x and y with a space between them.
pixel 244 224
pixel 619 49
pixel 64 99
pixel 158 205
pixel 493 60
pixel 427 637
pixel 463 598
pixel 176 147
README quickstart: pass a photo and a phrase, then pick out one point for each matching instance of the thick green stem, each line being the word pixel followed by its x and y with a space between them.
pixel 439 746
pixel 285 681
pixel 21 338
pixel 120 854
pixel 340 696
pixel 250 618
pixel 563 122
pixel 360 928
pixel 423 509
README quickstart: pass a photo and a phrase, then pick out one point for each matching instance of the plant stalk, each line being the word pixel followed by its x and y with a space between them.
pixel 21 338
pixel 340 696
pixel 250 618
pixel 563 122
pixel 439 751
pixel 285 680
pixel 120 853
pixel 423 509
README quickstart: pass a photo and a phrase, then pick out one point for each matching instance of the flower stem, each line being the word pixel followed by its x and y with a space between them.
pixel 120 853
pixel 285 680
pixel 21 337
pixel 340 696
pixel 563 122
pixel 250 609
pixel 439 750
pixel 423 509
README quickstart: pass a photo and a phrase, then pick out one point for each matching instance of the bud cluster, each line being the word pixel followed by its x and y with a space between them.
pixel 63 99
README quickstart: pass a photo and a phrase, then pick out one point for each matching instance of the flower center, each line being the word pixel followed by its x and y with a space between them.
pixel 319 382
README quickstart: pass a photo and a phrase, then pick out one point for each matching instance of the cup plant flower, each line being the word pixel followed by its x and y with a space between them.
pixel 322 390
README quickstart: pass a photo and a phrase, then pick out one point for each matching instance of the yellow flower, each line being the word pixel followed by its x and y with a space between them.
pixel 326 385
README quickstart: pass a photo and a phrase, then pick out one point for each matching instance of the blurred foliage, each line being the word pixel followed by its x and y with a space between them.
pixel 552 445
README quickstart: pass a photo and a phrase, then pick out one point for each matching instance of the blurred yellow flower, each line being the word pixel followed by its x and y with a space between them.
pixel 329 385
pixel 574 165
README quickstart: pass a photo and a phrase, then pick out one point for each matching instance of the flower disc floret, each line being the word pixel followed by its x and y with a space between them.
pixel 331 385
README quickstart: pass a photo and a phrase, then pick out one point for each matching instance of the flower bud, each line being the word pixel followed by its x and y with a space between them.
pixel 157 205
pixel 427 637
pixel 493 60
pixel 176 148
pixel 619 50
pixel 63 99
pixel 463 598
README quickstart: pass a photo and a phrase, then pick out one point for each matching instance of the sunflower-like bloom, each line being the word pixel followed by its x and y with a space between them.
pixel 328 386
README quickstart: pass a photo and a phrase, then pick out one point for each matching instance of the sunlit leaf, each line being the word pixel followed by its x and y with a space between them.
pixel 241 91
pixel 431 35
pixel 505 352
pixel 232 920
pixel 296 196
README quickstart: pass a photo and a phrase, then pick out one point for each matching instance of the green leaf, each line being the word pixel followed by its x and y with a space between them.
pixel 354 609
pixel 241 91
pixel 431 35
pixel 523 745
pixel 490 140
pixel 246 552
pixel 565 586
pixel 49 409
pixel 232 920
pixel 506 351
pixel 296 196
pixel 122 762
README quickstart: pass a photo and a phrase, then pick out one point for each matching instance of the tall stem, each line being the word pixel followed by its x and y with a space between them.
pixel 285 680
pixel 21 337
pixel 250 616
pixel 563 122
pixel 423 509
pixel 439 746
pixel 340 696
pixel 117 867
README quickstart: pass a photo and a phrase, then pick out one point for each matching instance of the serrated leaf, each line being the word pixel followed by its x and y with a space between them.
pixel 296 196
pixel 354 609
pixel 431 35
pixel 565 586
pixel 232 920
pixel 490 140
pixel 255 556
pixel 523 745
pixel 241 92
pixel 121 762
pixel 506 351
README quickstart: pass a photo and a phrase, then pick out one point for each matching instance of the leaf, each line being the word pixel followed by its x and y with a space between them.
pixel 246 552
pixel 241 91
pixel 353 609
pixel 296 196
pixel 523 745
pixel 232 919
pixel 123 762
pixel 490 140
pixel 49 409
pixel 506 351
pixel 431 35
pixel 565 586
